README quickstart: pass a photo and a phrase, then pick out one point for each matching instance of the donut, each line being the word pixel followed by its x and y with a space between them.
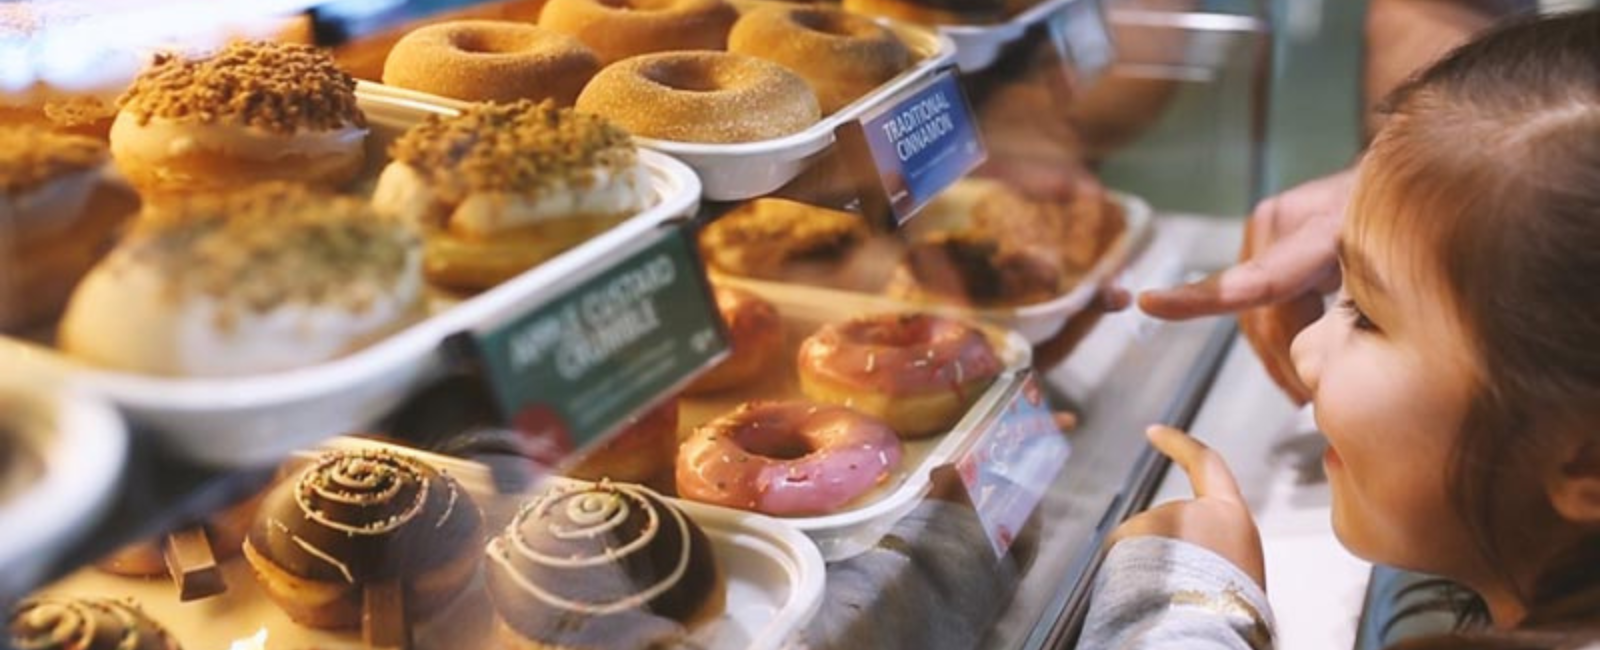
pixel 491 61
pixel 713 97
pixel 255 111
pixel 502 187
pixel 260 280
pixel 755 334
pixel 642 452
pixel 59 213
pixel 789 241
pixel 601 565
pixel 85 624
pixel 932 12
pixel 353 519
pixel 919 372
pixel 787 458
pixel 841 55
pixel 618 29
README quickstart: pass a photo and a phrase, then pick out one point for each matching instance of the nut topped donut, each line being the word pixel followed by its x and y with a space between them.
pixel 491 60
pixel 502 187
pixel 48 623
pixel 841 55
pixel 601 565
pixel 712 97
pixel 256 111
pixel 266 279
pixel 352 519
pixel 919 372
pixel 618 29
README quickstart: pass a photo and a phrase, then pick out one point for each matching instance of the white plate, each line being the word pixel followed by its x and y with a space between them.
pixel 857 526
pixel 255 420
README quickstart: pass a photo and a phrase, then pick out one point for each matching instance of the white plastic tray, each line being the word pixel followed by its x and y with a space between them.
pixel 977 46
pixel 1036 322
pixel 859 525
pixel 774 585
pixel 254 420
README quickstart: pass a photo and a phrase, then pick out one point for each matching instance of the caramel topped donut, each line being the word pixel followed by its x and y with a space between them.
pixel 601 565
pixel 715 97
pixel 618 29
pixel 253 112
pixel 48 623
pixel 491 60
pixel 755 333
pixel 274 277
pixel 841 55
pixel 917 371
pixel 778 239
pixel 503 186
pixel 355 518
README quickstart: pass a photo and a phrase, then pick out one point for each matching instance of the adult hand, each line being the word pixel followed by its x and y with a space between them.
pixel 1215 519
pixel 1287 264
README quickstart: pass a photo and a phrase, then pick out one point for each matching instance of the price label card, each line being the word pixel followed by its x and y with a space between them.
pixel 916 146
pixel 1008 468
pixel 572 368
pixel 1081 35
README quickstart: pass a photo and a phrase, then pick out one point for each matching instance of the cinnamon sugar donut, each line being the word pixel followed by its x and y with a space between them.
pixel 618 29
pixel 715 97
pixel 491 60
pixel 841 55
pixel 254 112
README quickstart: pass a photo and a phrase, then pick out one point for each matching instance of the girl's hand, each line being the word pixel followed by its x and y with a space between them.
pixel 1215 519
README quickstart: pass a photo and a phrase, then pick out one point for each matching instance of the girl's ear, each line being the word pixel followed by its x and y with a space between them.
pixel 1575 489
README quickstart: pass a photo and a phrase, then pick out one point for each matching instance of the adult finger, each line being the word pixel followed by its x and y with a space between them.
pixel 1207 472
pixel 1289 267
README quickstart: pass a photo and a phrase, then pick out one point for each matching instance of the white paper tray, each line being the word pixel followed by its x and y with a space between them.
pixel 773 575
pixel 255 420
pixel 743 170
pixel 977 46
pixel 859 525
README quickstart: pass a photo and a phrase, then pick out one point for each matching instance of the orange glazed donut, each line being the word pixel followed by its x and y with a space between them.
pixel 842 55
pixel 618 29
pixel 918 372
pixel 715 97
pixel 755 333
pixel 787 458
pixel 491 61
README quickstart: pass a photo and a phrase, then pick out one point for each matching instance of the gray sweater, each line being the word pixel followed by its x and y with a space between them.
pixel 1157 593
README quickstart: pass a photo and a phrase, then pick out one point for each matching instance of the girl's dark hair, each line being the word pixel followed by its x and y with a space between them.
pixel 1492 157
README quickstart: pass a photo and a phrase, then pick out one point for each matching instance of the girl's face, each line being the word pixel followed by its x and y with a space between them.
pixel 1391 373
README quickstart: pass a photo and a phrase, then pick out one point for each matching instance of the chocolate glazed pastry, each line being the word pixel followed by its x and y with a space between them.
pixel 84 624
pixel 352 521
pixel 601 565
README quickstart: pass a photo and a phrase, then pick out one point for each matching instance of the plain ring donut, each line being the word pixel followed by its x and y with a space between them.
pixel 842 55
pixel 491 61
pixel 618 29
pixel 714 97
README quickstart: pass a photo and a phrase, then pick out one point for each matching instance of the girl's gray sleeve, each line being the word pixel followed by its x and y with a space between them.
pixel 1155 593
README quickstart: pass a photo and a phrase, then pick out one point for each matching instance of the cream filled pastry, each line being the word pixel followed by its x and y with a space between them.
pixel 254 111
pixel 275 277
pixel 354 519
pixel 600 565
pixel 502 187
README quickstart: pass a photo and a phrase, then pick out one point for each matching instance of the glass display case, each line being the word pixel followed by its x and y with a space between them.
pixel 316 335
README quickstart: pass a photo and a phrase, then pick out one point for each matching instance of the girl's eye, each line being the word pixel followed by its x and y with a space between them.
pixel 1358 318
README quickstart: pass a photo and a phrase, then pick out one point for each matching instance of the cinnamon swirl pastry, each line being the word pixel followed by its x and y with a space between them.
pixel 600 565
pixel 353 519
pixel 49 623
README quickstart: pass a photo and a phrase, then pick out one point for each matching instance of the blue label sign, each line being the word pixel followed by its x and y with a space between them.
pixel 921 143
pixel 1016 458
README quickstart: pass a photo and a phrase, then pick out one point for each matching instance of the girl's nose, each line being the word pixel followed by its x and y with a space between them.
pixel 1307 351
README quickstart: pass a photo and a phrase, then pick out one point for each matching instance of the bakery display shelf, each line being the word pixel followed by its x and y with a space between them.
pixel 250 420
pixel 979 46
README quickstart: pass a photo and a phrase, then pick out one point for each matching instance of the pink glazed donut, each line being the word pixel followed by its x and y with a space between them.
pixel 786 458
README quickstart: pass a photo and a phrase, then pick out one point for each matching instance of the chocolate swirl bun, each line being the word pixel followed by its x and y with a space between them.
pixel 601 565
pixel 85 624
pixel 357 518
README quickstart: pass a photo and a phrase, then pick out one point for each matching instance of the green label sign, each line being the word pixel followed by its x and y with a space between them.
pixel 569 370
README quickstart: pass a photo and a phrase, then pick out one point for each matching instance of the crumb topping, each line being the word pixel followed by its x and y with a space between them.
pixel 280 87
pixel 31 157
pixel 272 244
pixel 517 147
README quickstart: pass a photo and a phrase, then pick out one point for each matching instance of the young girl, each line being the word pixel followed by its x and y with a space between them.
pixel 1458 382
